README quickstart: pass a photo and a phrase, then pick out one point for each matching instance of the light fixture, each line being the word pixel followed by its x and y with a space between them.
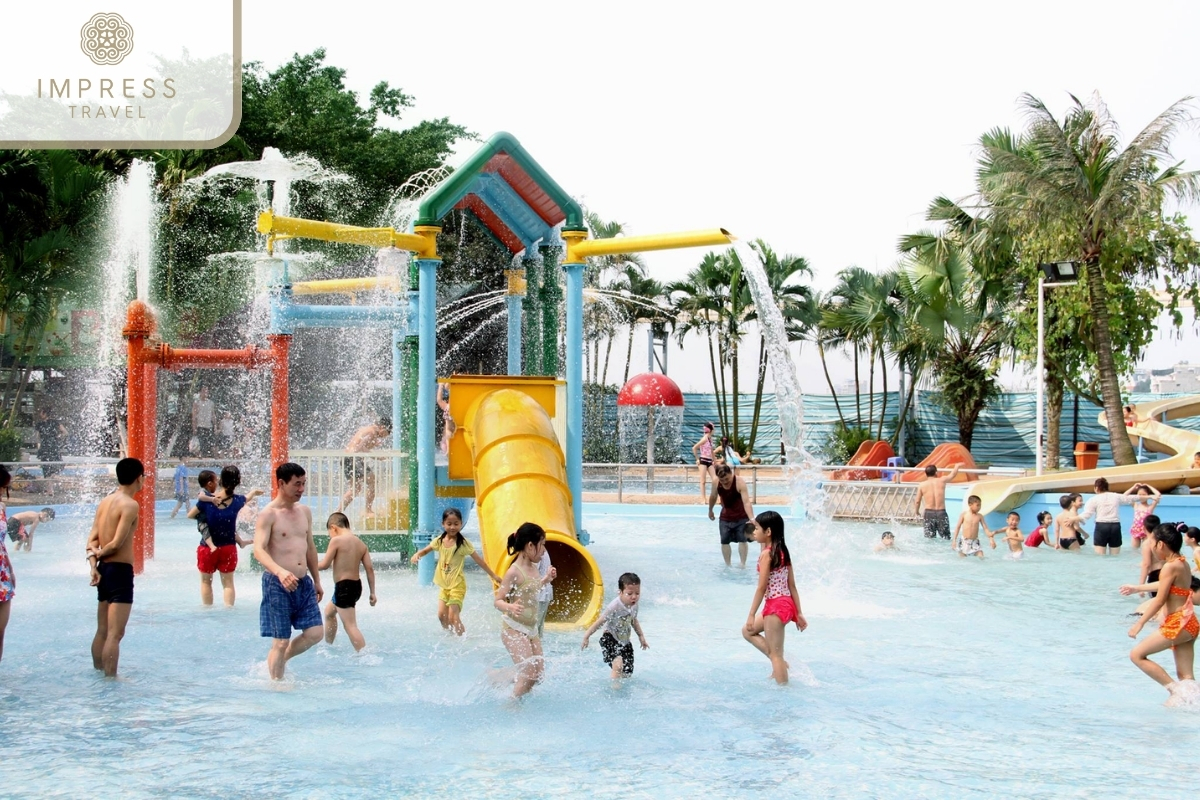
pixel 1060 271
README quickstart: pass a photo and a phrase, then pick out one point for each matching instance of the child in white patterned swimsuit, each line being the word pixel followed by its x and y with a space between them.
pixel 969 523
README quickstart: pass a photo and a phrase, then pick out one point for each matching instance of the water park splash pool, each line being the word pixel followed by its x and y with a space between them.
pixel 922 675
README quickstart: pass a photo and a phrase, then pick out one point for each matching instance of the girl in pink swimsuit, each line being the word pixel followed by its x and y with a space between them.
pixel 1147 501
pixel 8 582
pixel 777 585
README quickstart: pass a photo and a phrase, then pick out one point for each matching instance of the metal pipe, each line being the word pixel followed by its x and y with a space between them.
pixel 280 344
pixel 314 316
pixel 1041 374
pixel 579 249
pixel 514 333
pixel 346 285
pixel 574 350
pixel 426 397
pixel 274 227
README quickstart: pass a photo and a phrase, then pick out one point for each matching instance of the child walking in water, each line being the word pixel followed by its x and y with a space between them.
pixel 969 523
pixel 1147 501
pixel 345 553
pixel 517 598
pixel 777 585
pixel 452 550
pixel 1180 627
pixel 618 619
pixel 1041 534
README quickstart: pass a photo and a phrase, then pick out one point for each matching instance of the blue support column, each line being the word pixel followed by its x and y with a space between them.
pixel 574 348
pixel 426 404
pixel 514 333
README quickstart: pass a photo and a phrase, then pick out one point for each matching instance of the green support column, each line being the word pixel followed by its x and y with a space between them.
pixel 532 318
pixel 408 419
pixel 551 299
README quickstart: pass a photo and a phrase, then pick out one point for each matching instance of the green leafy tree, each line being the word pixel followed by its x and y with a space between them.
pixel 1073 175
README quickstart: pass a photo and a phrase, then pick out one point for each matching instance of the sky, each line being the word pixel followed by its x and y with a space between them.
pixel 825 129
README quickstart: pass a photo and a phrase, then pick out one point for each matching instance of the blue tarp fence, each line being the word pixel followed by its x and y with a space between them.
pixel 1004 434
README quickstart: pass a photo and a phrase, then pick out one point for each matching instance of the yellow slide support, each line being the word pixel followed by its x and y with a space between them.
pixel 520 476
pixel 1005 494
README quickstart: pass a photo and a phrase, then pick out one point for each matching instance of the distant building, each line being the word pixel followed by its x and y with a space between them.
pixel 1183 378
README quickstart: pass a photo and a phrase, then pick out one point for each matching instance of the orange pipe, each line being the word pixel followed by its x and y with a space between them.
pixel 279 402
pixel 150 443
pixel 136 426
pixel 168 357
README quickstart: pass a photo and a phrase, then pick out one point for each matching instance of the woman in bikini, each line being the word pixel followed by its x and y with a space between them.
pixel 777 585
pixel 517 598
pixel 703 451
pixel 1180 627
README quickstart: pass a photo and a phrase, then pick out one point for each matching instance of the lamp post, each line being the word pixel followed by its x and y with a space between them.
pixel 1060 273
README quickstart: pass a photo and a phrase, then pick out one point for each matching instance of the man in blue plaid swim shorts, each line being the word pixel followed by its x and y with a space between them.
pixel 291 583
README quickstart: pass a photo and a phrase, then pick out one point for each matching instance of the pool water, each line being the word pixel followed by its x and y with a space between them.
pixel 921 675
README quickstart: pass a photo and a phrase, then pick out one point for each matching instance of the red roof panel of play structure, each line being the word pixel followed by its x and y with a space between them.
pixel 525 187
pixel 650 389
pixel 474 203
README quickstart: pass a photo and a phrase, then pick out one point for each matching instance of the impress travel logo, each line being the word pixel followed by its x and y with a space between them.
pixel 78 76
pixel 106 39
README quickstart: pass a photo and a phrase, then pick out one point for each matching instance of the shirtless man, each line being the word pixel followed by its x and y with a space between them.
pixel 365 439
pixel 932 492
pixel 736 511
pixel 283 544
pixel 110 556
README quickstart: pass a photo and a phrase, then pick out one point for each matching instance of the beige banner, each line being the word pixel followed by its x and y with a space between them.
pixel 131 74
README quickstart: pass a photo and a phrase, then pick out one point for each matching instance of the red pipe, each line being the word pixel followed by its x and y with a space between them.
pixel 279 403
pixel 139 324
pixel 150 443
pixel 168 357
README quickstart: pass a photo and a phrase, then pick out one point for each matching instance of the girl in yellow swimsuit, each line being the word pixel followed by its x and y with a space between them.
pixel 517 598
pixel 1180 627
pixel 452 549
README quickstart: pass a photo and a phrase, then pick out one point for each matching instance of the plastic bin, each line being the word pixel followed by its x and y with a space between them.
pixel 1087 455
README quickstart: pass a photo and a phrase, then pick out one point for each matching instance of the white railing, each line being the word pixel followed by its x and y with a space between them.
pixel 333 475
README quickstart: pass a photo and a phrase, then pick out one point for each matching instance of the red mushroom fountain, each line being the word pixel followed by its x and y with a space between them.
pixel 654 395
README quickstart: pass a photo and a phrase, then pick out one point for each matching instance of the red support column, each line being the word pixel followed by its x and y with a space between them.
pixel 138 326
pixel 149 493
pixel 279 402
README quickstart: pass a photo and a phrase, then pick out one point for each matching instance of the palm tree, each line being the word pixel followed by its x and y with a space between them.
pixel 597 269
pixel 699 302
pixel 823 336
pixel 640 298
pixel 852 282
pixel 795 303
pixel 1073 173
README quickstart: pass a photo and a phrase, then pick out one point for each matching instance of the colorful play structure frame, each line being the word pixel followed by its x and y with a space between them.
pixel 508 449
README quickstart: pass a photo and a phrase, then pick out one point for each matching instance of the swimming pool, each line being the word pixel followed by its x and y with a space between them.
pixel 922 674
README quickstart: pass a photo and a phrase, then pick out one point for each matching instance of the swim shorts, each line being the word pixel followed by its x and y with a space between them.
pixel 16 531
pixel 355 469
pixel 733 531
pixel 281 610
pixel 347 593
pixel 969 547
pixel 116 582
pixel 937 523
pixel 612 650
pixel 1065 543
pixel 1107 534
pixel 783 607
pixel 454 595
pixel 223 559
pixel 706 462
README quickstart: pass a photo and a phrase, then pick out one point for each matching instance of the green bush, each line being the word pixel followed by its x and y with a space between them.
pixel 843 442
pixel 10 444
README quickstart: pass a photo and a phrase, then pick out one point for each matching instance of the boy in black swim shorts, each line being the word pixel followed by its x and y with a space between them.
pixel 346 552
pixel 110 553
pixel 618 619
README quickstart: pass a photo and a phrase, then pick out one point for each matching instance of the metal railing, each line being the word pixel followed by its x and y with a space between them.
pixel 333 475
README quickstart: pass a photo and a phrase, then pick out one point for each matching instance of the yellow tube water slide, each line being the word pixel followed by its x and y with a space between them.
pixel 1005 494
pixel 520 476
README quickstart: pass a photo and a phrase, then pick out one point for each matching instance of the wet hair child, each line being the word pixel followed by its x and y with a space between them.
pixel 776 585
pixel 1070 537
pixel 207 479
pixel 1041 534
pixel 452 549
pixel 618 618
pixel 1147 501
pixel 887 541
pixel 1012 535
pixel 516 597
pixel 346 552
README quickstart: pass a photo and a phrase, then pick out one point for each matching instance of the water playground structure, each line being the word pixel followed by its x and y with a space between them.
pixel 517 450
